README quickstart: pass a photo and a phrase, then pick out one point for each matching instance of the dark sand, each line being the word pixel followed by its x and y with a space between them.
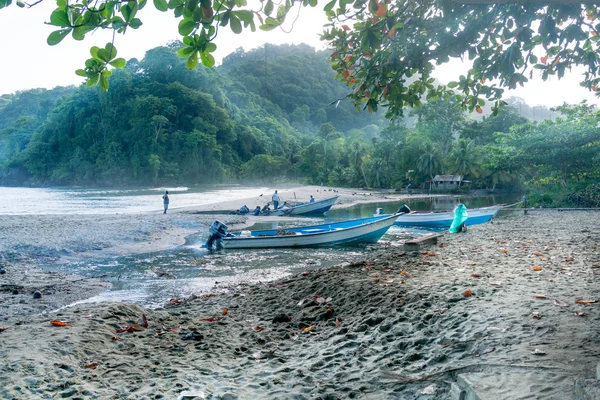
pixel 394 325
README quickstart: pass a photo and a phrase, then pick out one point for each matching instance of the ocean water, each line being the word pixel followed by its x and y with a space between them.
pixel 17 200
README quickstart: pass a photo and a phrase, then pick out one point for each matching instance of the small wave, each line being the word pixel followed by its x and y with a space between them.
pixel 175 189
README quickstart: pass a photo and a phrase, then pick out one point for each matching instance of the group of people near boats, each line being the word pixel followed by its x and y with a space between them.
pixel 266 210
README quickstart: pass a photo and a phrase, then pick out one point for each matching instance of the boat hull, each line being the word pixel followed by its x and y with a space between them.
pixel 444 219
pixel 318 207
pixel 369 230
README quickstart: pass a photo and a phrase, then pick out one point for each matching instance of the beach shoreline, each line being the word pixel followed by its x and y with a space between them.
pixel 388 324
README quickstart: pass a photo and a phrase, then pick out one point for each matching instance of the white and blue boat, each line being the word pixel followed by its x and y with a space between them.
pixel 444 219
pixel 366 230
pixel 316 207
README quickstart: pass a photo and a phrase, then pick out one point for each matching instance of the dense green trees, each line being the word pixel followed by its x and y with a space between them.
pixel 162 123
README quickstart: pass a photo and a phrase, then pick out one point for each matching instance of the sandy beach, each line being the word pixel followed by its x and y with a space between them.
pixel 507 308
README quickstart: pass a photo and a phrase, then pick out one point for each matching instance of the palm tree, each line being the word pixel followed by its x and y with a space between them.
pixel 430 161
pixel 465 159
pixel 357 152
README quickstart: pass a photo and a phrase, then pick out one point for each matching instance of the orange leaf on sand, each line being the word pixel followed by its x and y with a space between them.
pixel 468 293
pixel 92 365
pixel 309 328
pixel 225 311
pixel 536 268
pixel 570 259
pixel 59 323
pixel 504 250
pixel 536 253
pixel 258 328
pixel 540 296
pixel 585 302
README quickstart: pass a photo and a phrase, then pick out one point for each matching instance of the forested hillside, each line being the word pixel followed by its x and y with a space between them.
pixel 267 115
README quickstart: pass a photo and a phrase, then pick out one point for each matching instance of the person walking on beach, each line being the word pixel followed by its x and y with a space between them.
pixel 166 201
pixel 275 199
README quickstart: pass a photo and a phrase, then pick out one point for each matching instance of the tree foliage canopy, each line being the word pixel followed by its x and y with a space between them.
pixel 384 50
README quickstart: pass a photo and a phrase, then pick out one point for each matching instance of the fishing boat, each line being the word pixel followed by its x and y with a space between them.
pixel 316 207
pixel 444 219
pixel 366 230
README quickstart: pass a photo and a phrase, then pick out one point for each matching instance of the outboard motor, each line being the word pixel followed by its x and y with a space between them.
pixel 218 231
pixel 379 211
pixel 404 209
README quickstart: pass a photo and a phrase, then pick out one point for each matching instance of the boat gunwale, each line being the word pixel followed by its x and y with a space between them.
pixel 383 218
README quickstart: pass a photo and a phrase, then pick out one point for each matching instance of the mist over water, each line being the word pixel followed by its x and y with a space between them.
pixel 27 201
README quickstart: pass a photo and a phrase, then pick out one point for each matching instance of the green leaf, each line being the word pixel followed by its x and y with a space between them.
pixel 92 81
pixel 103 83
pixel 118 63
pixel 313 3
pixel 187 26
pixel 141 4
pixel 281 12
pixel 192 61
pixel 270 24
pixel 60 18
pixel 79 33
pixel 57 36
pixel 5 3
pixel 135 23
pixel 185 51
pixel 452 85
pixel 247 17
pixel 107 73
pixel 235 24
pixel 111 50
pixel 102 55
pixel 81 72
pixel 211 47
pixel 189 41
pixel 94 51
pixel 329 6
pixel 161 5
pixel 207 59
pixel 268 7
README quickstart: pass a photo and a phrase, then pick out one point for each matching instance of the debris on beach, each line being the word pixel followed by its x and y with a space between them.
pixel 131 328
pixel 560 303
pixel 429 389
pixel 258 328
pixel 92 365
pixel 468 293
pixel 536 315
pixel 579 314
pixel 536 268
pixel 225 311
pixel 308 328
pixel 538 352
pixel 586 302
pixel 3 329
pixel 59 323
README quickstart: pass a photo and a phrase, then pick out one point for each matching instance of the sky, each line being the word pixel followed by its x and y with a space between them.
pixel 28 62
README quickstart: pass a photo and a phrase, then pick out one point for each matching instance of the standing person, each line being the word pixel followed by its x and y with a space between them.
pixel 166 201
pixel 312 199
pixel 275 199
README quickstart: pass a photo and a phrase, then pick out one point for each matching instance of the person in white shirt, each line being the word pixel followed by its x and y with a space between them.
pixel 275 199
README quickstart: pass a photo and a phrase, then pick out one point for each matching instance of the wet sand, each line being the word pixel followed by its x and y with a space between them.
pixel 393 325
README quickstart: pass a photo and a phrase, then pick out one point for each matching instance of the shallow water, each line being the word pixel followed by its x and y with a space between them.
pixel 19 201
pixel 152 279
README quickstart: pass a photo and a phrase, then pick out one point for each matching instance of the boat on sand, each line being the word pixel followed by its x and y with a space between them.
pixel 365 230
pixel 444 219
pixel 316 207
